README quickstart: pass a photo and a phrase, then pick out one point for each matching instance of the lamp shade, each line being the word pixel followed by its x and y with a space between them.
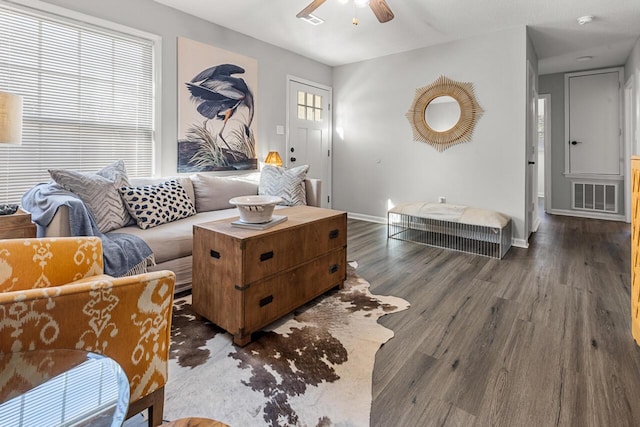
pixel 273 158
pixel 10 118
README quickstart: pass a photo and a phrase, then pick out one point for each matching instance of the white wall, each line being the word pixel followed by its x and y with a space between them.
pixel 273 65
pixel 375 157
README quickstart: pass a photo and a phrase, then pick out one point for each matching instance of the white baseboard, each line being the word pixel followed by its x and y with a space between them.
pixel 369 218
pixel 586 214
pixel 520 243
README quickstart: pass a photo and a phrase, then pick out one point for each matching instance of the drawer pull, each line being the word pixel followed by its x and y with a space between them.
pixel 265 256
pixel 214 254
pixel 333 268
pixel 266 300
pixel 333 234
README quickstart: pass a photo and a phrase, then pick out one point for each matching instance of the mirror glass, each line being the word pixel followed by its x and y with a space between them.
pixel 442 113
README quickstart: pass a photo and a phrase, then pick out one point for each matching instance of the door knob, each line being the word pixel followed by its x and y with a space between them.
pixel 575 142
pixel 532 163
pixel 293 159
pixel 293 149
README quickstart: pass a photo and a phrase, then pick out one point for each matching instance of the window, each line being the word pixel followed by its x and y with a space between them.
pixel 309 106
pixel 87 94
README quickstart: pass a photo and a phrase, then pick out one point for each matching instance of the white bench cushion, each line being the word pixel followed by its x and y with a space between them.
pixel 453 213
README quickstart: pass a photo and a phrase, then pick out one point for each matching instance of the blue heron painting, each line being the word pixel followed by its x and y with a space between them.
pixel 224 139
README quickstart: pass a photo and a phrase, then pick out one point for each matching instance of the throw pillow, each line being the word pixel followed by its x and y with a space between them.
pixel 152 205
pixel 286 183
pixel 99 192
pixel 185 181
pixel 213 192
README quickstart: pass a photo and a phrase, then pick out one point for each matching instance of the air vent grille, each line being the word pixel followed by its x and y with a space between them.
pixel 594 196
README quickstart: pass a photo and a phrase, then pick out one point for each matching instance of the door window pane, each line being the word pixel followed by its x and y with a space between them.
pixel 309 106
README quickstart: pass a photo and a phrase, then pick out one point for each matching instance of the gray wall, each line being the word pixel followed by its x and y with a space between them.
pixel 274 64
pixel 633 62
pixel 553 84
pixel 376 160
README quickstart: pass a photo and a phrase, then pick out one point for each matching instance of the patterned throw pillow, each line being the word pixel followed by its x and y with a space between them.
pixel 152 205
pixel 286 183
pixel 99 192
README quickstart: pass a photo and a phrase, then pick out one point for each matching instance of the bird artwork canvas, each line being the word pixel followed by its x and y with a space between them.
pixel 216 108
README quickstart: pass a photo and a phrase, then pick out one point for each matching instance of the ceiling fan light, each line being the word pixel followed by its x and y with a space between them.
pixel 312 19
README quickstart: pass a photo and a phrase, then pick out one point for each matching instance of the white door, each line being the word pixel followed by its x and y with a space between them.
pixel 532 152
pixel 594 124
pixel 544 133
pixel 309 132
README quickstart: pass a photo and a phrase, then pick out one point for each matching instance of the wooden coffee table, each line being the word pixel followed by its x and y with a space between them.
pixel 245 279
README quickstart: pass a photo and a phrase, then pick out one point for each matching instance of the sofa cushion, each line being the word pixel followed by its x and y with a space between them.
pixel 213 192
pixel 153 205
pixel 285 183
pixel 175 239
pixel 99 192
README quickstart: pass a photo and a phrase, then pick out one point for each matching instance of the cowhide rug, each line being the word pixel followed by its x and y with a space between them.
pixel 312 368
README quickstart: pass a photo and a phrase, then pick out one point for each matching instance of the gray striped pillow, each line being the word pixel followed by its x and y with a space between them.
pixel 285 183
pixel 99 192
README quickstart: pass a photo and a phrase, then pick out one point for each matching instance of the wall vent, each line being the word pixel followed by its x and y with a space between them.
pixel 596 197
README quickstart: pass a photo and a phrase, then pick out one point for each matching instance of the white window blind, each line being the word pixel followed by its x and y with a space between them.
pixel 88 98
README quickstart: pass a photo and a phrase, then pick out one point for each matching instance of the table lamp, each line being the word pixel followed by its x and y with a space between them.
pixel 10 118
pixel 273 158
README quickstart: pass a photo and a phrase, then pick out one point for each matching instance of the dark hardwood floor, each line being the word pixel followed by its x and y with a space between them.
pixel 540 338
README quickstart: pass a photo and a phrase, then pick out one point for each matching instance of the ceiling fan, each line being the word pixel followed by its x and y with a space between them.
pixel 380 8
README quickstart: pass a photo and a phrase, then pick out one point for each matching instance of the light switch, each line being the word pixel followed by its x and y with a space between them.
pixel 279 130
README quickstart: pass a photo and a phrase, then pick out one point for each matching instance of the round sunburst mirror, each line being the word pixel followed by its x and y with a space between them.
pixel 444 113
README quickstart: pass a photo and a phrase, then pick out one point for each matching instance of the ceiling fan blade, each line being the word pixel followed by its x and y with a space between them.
pixel 309 9
pixel 382 10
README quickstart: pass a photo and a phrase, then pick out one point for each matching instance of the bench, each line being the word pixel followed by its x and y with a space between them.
pixel 460 228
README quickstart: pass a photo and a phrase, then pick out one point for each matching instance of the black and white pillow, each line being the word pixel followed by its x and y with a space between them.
pixel 152 205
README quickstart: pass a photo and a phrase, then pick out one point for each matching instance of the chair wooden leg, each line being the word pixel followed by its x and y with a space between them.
pixel 154 402
pixel 156 410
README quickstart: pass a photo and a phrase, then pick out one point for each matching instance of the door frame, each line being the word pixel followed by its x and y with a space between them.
pixel 329 171
pixel 628 134
pixel 547 151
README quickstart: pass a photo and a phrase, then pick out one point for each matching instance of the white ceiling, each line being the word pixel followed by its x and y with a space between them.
pixel 557 37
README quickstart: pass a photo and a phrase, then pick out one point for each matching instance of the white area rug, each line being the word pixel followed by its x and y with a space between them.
pixel 312 368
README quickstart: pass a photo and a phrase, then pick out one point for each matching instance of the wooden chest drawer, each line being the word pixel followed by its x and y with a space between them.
pixel 276 252
pixel 267 300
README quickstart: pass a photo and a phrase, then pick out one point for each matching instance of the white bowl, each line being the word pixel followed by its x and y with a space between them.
pixel 255 209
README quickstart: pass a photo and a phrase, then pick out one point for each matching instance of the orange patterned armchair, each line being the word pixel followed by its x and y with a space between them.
pixel 53 295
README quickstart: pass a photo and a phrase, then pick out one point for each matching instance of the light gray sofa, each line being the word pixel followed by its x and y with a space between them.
pixel 172 243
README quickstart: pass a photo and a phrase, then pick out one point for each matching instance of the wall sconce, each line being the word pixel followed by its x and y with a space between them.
pixel 273 158
pixel 10 118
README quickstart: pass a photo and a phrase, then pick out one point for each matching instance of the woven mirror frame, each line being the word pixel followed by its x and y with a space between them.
pixel 462 131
